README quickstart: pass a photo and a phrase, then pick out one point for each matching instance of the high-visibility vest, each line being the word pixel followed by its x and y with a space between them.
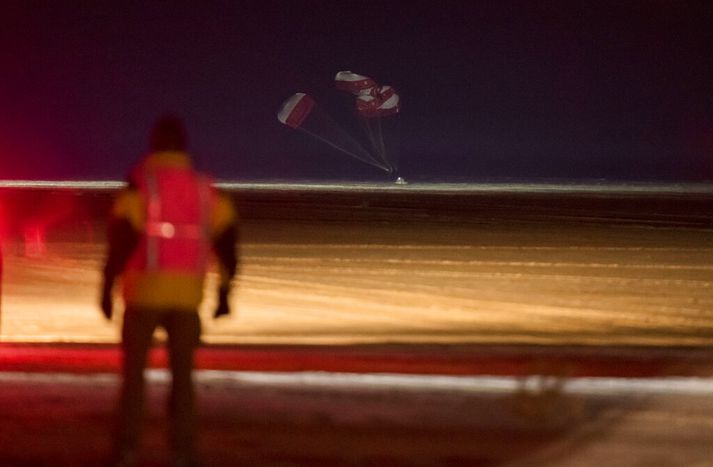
pixel 176 235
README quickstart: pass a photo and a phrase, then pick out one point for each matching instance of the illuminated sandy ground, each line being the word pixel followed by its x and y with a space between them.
pixel 504 282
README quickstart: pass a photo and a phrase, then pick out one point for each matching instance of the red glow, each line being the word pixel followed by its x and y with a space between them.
pixel 35 242
pixel 3 223
pixel 51 209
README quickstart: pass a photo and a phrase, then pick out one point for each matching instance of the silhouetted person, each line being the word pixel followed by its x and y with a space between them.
pixel 162 229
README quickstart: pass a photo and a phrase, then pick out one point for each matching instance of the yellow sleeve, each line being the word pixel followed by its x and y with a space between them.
pixel 129 205
pixel 224 214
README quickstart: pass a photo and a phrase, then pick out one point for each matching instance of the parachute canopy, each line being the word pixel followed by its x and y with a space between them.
pixel 295 110
pixel 372 99
pixel 382 101
pixel 353 82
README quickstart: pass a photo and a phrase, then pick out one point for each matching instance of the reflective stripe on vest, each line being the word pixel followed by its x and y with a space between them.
pixel 177 231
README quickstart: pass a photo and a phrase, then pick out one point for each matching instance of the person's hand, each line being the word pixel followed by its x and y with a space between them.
pixel 223 309
pixel 107 303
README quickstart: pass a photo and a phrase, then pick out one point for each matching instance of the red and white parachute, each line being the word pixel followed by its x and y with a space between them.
pixel 372 101
pixel 301 112
pixel 295 110
pixel 353 82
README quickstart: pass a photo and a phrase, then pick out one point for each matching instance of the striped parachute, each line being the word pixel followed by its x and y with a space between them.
pixel 372 102
pixel 371 99
pixel 301 112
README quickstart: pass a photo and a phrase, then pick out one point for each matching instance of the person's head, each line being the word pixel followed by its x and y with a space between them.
pixel 168 134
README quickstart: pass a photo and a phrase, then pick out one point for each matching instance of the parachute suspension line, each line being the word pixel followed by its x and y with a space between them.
pixel 376 139
pixel 382 145
pixel 367 130
pixel 369 161
pixel 372 102
pixel 366 122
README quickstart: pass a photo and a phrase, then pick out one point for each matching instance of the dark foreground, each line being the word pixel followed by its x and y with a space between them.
pixel 348 406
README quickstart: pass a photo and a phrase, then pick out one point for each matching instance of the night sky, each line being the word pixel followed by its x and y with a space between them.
pixel 613 90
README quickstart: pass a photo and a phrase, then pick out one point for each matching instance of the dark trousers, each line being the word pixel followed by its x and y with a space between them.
pixel 183 330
